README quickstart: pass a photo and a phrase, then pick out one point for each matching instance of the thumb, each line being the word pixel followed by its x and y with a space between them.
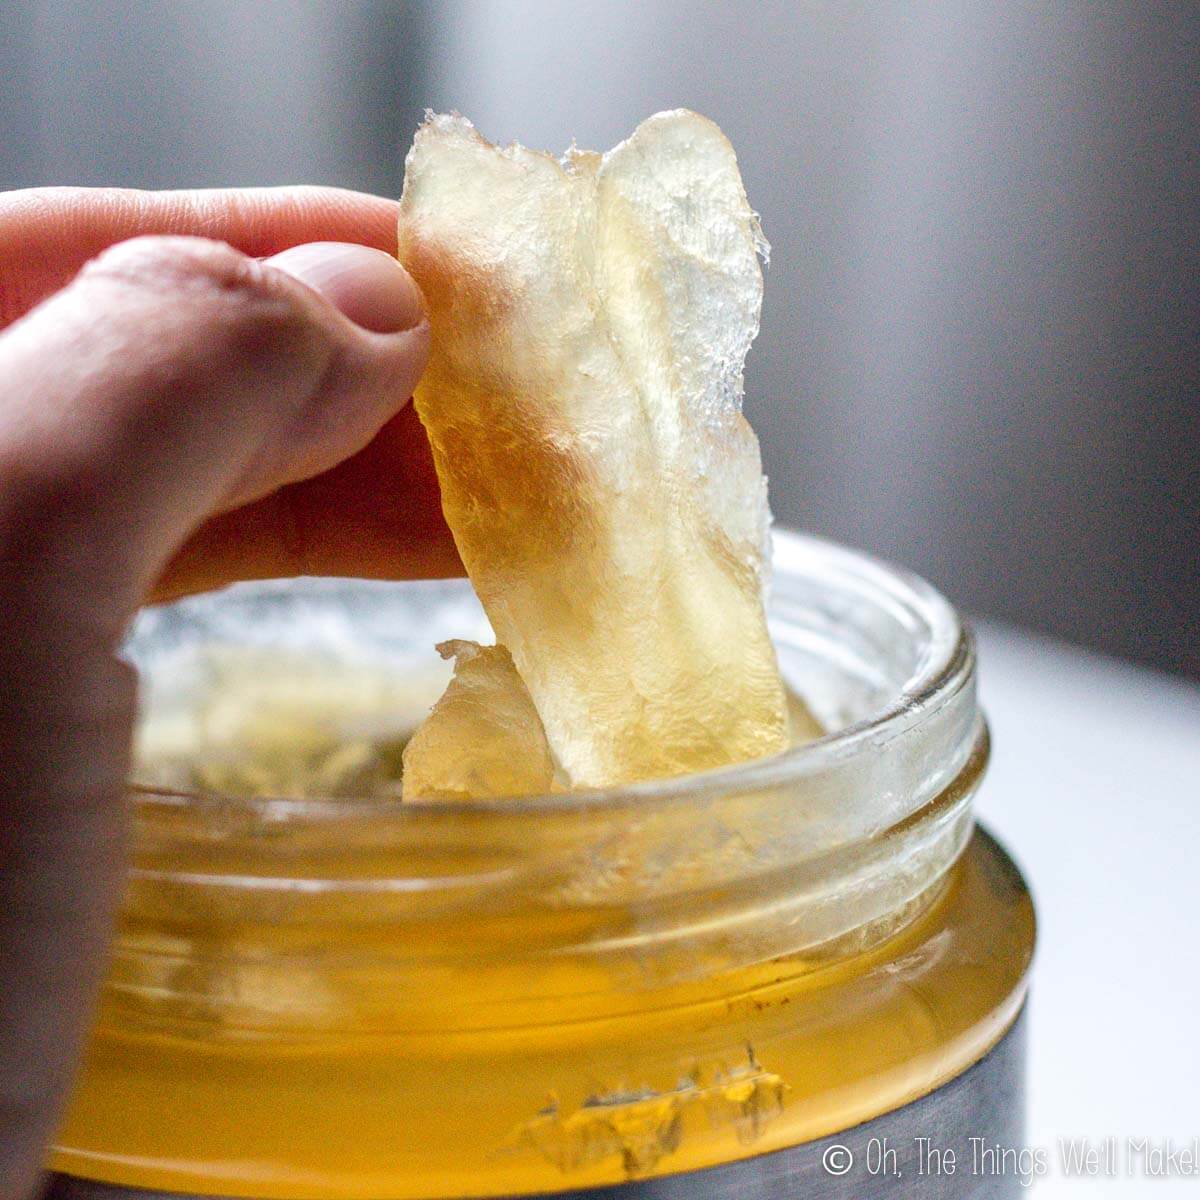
pixel 176 377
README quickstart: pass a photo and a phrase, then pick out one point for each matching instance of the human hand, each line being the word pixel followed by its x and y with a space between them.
pixel 177 416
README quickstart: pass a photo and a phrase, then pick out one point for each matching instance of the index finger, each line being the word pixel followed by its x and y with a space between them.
pixel 47 234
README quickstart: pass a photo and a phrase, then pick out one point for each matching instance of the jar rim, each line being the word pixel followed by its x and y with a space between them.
pixel 827 848
pixel 945 667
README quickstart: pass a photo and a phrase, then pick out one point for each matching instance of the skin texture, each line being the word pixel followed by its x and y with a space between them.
pixel 174 414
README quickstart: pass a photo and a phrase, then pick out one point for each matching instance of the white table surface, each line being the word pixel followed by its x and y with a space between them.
pixel 1094 788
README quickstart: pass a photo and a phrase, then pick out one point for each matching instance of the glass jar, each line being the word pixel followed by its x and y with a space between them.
pixel 330 997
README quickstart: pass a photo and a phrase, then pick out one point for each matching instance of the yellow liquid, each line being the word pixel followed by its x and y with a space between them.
pixel 627 1084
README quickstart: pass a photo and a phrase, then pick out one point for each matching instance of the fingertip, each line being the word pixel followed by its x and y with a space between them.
pixel 368 286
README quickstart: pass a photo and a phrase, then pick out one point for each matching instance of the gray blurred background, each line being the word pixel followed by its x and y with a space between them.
pixel 979 348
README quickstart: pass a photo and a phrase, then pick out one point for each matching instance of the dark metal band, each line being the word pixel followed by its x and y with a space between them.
pixel 964 1141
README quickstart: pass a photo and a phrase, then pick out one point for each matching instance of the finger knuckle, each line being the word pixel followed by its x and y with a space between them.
pixel 165 261
pixel 223 295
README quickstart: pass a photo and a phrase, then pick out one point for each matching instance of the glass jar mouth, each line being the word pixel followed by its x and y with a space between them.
pixel 941 669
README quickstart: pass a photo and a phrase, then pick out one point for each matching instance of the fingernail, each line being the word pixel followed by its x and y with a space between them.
pixel 368 286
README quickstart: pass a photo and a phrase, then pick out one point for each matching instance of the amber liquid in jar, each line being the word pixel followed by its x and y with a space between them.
pixel 726 1068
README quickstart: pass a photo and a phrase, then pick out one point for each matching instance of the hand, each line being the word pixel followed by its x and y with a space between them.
pixel 175 413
